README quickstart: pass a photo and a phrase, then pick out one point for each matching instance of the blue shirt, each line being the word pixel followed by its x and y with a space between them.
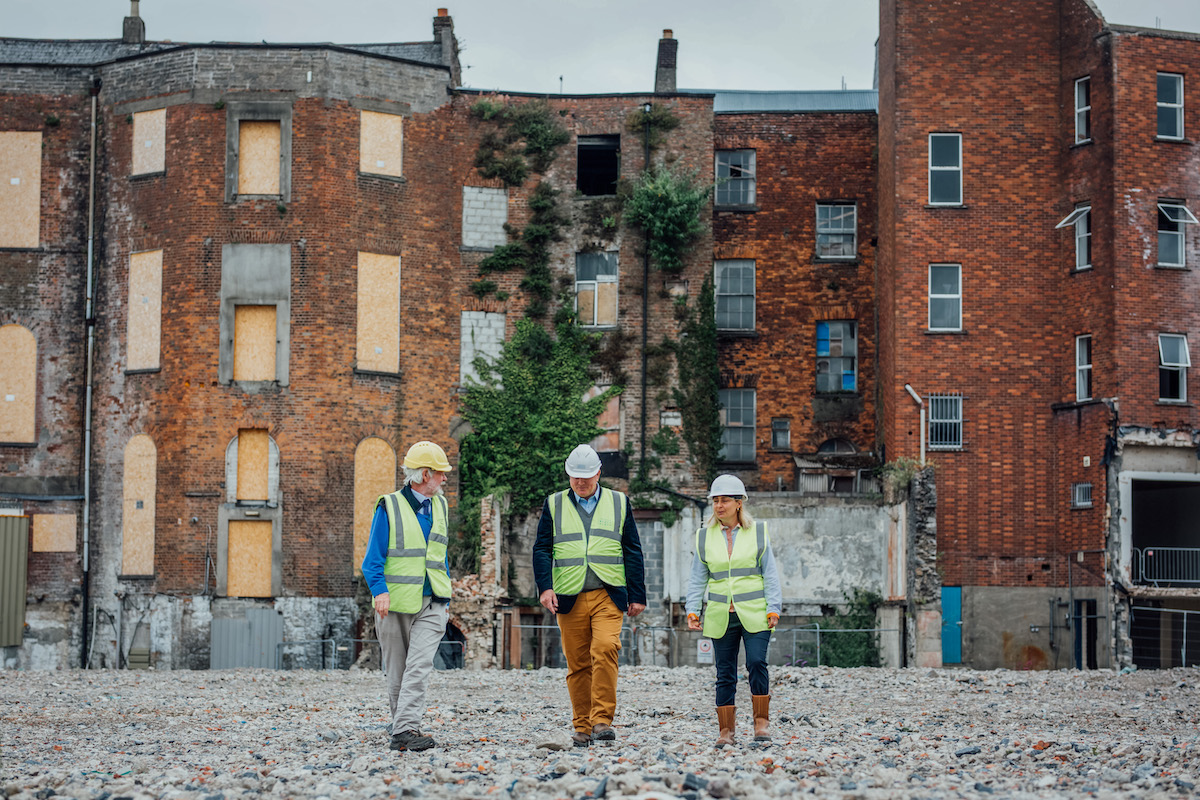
pixel 588 504
pixel 698 581
pixel 377 546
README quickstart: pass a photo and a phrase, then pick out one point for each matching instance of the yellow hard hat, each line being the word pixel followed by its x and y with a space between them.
pixel 426 455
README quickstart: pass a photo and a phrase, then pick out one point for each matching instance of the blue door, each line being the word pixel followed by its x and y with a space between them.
pixel 951 624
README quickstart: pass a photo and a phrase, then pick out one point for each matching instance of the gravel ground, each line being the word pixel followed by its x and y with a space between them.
pixel 850 733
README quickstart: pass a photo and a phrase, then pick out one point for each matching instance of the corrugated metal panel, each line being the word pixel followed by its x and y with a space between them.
pixel 14 557
pixel 759 102
pixel 248 641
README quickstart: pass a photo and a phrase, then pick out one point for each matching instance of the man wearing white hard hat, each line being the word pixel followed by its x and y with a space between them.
pixel 406 570
pixel 587 561
pixel 734 566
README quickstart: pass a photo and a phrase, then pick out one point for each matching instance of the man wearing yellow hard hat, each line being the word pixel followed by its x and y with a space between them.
pixel 406 570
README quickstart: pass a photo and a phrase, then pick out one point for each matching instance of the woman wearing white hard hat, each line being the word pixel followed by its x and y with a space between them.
pixel 734 569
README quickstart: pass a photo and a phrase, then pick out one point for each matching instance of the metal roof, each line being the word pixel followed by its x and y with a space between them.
pixel 751 102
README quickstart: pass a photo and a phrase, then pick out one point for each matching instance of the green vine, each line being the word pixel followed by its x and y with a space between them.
pixel 659 121
pixel 697 395
pixel 860 646
pixel 667 205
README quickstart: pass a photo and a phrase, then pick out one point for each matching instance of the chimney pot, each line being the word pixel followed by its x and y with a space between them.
pixel 668 33
pixel 443 12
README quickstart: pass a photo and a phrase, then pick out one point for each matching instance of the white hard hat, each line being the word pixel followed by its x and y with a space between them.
pixel 583 462
pixel 727 486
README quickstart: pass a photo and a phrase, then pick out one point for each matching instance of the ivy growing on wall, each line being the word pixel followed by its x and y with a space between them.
pixel 667 205
pixel 699 383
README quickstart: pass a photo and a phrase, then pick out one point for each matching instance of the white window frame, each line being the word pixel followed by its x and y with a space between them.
pixel 848 351
pixel 1159 105
pixel 594 284
pixel 1081 495
pixel 1083 367
pixel 824 229
pixel 719 294
pixel 1081 219
pixel 1083 109
pixel 1178 215
pixel 1178 366
pixel 725 399
pixel 933 297
pixel 958 169
pixel 747 182
pixel 946 420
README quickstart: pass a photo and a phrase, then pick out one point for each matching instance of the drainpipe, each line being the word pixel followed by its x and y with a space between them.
pixel 908 388
pixel 90 322
pixel 645 294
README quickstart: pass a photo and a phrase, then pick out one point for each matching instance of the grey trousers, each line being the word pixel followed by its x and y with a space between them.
pixel 408 643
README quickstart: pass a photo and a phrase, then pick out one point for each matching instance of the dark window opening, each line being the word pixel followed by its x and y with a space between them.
pixel 599 165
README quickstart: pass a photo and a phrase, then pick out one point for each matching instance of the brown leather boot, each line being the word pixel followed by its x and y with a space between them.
pixel 726 719
pixel 762 707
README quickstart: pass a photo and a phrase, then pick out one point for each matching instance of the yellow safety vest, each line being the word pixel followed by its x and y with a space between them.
pixel 409 557
pixel 737 577
pixel 602 550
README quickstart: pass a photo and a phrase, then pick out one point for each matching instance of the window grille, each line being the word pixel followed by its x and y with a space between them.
pixel 1081 495
pixel 946 421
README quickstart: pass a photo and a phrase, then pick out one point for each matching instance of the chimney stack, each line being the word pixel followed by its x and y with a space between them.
pixel 443 34
pixel 664 73
pixel 134 30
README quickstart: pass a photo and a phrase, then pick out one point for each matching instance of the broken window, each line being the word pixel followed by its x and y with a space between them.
pixel 609 421
pixel 1172 216
pixel 735 170
pixel 946 421
pixel 378 324
pixel 374 476
pixel 1173 362
pixel 945 297
pixel 599 165
pixel 1083 368
pixel 737 425
pixel 596 288
pixel 837 357
pixel 18 385
pixel 781 434
pixel 837 234
pixel 735 294
pixel 139 486
pixel 149 142
pixel 1083 110
pixel 143 325
pixel 1170 106
pixel 20 188
pixel 1080 219
pixel 381 143
pixel 945 169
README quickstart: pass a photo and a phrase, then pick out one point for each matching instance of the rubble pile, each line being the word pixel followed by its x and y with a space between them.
pixel 851 733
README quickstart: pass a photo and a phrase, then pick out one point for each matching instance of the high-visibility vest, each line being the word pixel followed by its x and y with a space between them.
pixel 409 557
pixel 602 549
pixel 737 578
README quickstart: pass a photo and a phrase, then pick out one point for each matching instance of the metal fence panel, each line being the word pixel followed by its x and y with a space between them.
pixel 14 558
pixel 248 641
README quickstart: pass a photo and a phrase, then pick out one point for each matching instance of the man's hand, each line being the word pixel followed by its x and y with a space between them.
pixel 382 603
pixel 550 600
pixel 772 620
pixel 635 609
pixel 694 623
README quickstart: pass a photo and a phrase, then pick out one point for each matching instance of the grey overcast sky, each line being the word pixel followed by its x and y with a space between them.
pixel 526 45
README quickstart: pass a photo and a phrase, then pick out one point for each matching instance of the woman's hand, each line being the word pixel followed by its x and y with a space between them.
pixel 694 622
pixel 772 619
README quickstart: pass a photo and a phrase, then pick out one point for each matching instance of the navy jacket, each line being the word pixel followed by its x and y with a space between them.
pixel 634 590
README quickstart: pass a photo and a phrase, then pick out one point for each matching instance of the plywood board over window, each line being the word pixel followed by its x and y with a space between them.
pixel 20 188
pixel 140 483
pixel 249 559
pixel 54 533
pixel 378 313
pixel 18 384
pixel 381 143
pixel 149 142
pixel 144 324
pixel 253 454
pixel 254 343
pixel 374 475
pixel 259 151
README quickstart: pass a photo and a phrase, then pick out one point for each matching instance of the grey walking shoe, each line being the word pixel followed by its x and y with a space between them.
pixel 603 733
pixel 581 739
pixel 411 740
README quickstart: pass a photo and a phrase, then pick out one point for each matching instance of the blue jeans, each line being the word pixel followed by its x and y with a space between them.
pixel 725 651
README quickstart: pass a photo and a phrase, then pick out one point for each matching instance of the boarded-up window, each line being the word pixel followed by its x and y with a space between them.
pixel 144 325
pixel 378 312
pixel 54 533
pixel 254 343
pixel 258 156
pixel 249 559
pixel 374 475
pixel 20 188
pixel 596 288
pixel 609 420
pixel 18 384
pixel 381 143
pixel 149 142
pixel 140 483
pixel 253 452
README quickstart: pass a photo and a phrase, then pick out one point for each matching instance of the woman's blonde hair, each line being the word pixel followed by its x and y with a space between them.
pixel 745 521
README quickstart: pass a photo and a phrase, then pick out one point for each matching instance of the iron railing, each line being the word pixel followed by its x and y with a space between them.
pixel 1169 566
pixel 341 654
